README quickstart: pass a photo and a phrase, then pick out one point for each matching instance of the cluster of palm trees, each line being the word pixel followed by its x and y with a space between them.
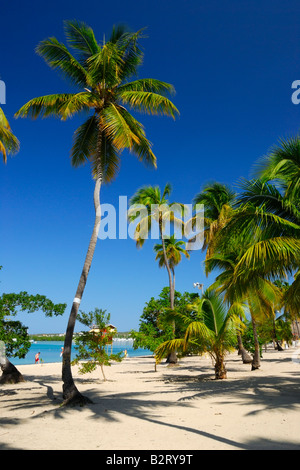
pixel 251 238
pixel 252 241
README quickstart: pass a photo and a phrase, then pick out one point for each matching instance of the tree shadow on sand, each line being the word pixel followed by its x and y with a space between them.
pixel 264 393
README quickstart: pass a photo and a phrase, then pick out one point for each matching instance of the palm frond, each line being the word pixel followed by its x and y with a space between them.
pixel 117 127
pixel 85 142
pixel 81 38
pixel 261 194
pixel 214 196
pixel 167 347
pixel 167 191
pixel 282 165
pixel 9 144
pixel 3 152
pixel 57 56
pixel 198 329
pixel 149 103
pixel 77 103
pixel 147 85
pixel 292 297
pixel 274 257
pixel 60 105
pixel 3 120
pixel 141 147
pixel 132 54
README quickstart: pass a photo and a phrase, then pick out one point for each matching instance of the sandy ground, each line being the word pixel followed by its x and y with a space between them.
pixel 178 408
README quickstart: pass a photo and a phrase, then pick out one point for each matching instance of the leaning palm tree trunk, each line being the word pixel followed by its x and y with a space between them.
pixel 71 394
pixel 246 358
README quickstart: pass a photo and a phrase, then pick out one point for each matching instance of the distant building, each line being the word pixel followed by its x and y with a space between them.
pixel 108 329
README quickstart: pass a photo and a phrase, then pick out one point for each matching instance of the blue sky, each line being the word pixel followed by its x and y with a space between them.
pixel 232 64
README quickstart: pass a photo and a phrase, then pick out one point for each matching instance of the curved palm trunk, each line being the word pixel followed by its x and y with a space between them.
pixel 246 358
pixel 172 357
pixel 70 393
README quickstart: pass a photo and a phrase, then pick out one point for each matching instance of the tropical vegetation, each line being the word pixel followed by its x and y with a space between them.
pixel 14 334
pixel 92 345
pixel 251 235
pixel 212 329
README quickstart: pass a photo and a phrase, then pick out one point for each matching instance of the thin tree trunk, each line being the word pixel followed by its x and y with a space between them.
pixel 71 394
pixel 102 370
pixel 173 285
pixel 167 266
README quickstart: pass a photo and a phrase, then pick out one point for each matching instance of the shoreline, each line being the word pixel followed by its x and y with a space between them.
pixel 181 407
pixel 53 356
pixel 128 358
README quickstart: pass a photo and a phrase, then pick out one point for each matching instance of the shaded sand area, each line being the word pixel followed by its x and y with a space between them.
pixel 179 408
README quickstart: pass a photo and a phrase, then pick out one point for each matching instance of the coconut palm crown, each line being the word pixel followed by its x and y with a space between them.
pixel 101 73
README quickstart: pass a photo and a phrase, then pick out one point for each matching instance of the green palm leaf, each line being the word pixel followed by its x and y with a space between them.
pixel 147 85
pixel 282 165
pixel 58 105
pixel 167 347
pixel 117 127
pixel 85 142
pixel 81 38
pixel 57 56
pixel 149 103
pixel 275 256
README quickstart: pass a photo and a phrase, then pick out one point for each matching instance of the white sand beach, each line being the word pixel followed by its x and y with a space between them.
pixel 178 408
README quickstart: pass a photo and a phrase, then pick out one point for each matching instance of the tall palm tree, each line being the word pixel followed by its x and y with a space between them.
pixel 259 295
pixel 218 199
pixel 266 226
pixel 174 251
pixel 156 208
pixel 102 73
pixel 212 331
pixel 9 143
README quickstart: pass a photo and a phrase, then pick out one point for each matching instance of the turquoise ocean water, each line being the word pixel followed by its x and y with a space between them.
pixel 50 351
